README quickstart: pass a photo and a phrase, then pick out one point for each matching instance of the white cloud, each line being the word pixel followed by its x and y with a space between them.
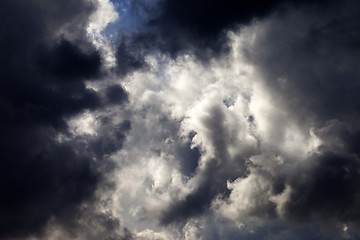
pixel 237 123
pixel 99 20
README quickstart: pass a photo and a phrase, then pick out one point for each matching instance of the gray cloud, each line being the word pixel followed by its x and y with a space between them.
pixel 310 70
pixel 261 142
pixel 199 27
pixel 213 174
pixel 47 172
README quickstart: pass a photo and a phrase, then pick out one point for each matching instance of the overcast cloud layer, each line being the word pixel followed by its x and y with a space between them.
pixel 179 119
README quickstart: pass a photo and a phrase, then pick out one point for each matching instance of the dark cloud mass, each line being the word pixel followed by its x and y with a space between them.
pixel 200 26
pixel 116 94
pixel 129 56
pixel 327 189
pixel 45 173
pixel 67 61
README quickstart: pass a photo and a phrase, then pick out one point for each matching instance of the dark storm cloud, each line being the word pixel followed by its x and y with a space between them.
pixel 67 61
pixel 129 56
pixel 111 138
pixel 45 172
pixel 199 26
pixel 115 94
pixel 40 178
pixel 326 188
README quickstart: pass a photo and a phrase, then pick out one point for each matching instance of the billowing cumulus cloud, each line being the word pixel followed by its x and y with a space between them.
pixel 190 120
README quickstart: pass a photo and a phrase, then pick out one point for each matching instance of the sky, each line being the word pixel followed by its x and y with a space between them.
pixel 179 119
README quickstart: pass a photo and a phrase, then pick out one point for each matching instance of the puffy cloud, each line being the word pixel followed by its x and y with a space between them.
pixel 267 143
pixel 234 120
pixel 308 172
